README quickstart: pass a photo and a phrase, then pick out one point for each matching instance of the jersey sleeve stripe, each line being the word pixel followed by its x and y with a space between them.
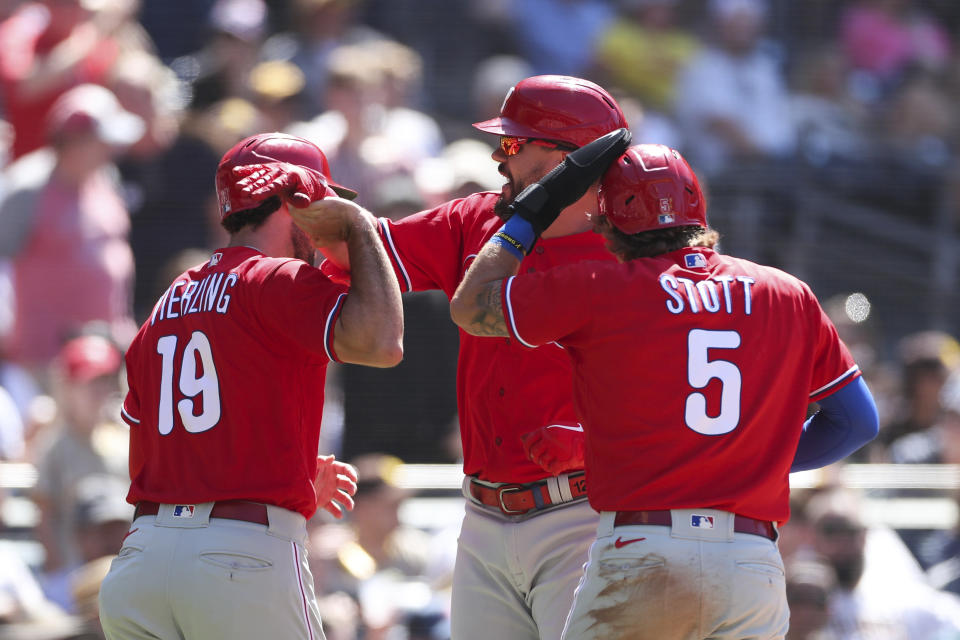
pixel 511 320
pixel 127 417
pixel 385 227
pixel 328 328
pixel 830 386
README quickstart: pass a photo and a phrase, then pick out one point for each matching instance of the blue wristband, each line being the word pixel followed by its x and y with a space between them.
pixel 516 236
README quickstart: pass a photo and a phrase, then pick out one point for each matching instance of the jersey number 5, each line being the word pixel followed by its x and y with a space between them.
pixel 195 378
pixel 701 370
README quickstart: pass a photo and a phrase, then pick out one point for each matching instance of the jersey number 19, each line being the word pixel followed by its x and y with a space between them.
pixel 197 381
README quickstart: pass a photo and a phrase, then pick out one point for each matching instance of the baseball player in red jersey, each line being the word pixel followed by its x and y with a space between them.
pixel 225 400
pixel 692 373
pixel 527 526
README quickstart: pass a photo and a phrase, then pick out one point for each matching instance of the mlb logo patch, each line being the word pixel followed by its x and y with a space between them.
pixel 701 522
pixel 215 259
pixel 183 511
pixel 695 260
pixel 665 218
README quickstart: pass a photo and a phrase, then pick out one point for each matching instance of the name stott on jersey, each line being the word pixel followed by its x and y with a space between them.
pixel 503 389
pixel 723 333
pixel 226 383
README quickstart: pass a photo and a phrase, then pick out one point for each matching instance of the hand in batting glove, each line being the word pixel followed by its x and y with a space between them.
pixel 556 447
pixel 541 203
pixel 335 484
pixel 298 185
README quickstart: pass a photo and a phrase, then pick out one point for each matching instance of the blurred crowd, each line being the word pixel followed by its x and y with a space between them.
pixel 114 114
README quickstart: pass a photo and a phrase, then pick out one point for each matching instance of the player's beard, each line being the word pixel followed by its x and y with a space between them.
pixel 502 208
pixel 302 247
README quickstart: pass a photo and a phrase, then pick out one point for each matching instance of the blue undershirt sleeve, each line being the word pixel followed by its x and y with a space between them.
pixel 847 420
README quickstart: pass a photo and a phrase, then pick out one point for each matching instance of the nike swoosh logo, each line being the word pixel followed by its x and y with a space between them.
pixel 128 534
pixel 620 542
pixel 579 427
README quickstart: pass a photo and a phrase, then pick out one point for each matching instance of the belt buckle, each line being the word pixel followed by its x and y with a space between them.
pixel 505 489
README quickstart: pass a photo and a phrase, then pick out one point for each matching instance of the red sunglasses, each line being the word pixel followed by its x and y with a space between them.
pixel 510 145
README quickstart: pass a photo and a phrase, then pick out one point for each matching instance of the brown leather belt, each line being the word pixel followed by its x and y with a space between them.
pixel 518 499
pixel 255 512
pixel 741 524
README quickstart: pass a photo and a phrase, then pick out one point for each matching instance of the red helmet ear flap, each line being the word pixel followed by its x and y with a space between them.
pixel 651 187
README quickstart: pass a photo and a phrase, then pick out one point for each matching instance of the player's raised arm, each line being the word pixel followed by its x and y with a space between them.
pixel 369 329
pixel 476 306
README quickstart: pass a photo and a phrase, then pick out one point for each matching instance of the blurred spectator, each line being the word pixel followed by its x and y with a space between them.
pixel 919 126
pixel 410 133
pixel 65 227
pixel 179 209
pixel 940 442
pixel 151 91
pixel 463 168
pixel 832 125
pixel 102 517
pixel 177 27
pixel 796 536
pixel 340 614
pixel 221 69
pixel 921 120
pixel 732 99
pixel 939 550
pixel 559 36
pixel 493 78
pixel 809 585
pixel 881 590
pixel 643 51
pixel 53 45
pixel 87 441
pixel 277 86
pixel 24 610
pixel 926 359
pixel 883 38
pixel 374 559
pixel 348 129
pixel 318 27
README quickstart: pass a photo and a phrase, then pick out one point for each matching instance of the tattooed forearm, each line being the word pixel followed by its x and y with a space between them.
pixel 489 321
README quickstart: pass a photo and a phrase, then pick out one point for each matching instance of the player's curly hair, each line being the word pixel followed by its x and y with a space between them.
pixel 251 217
pixel 651 243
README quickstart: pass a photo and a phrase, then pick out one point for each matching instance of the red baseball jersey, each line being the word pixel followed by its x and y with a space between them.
pixel 503 389
pixel 226 383
pixel 693 372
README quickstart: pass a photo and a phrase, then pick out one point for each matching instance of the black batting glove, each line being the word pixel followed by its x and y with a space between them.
pixel 541 203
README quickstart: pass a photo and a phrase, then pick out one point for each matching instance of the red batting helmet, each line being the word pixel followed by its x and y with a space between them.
pixel 651 187
pixel 560 108
pixel 263 148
